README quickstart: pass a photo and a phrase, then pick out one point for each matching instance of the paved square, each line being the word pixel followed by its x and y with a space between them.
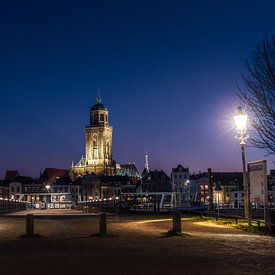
pixel 136 246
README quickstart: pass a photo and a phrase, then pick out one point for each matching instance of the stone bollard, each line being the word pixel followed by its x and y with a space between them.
pixel 29 226
pixel 271 221
pixel 102 224
pixel 177 222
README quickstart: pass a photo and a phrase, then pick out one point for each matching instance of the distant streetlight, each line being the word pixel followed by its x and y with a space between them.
pixel 48 187
pixel 241 119
pixel 218 190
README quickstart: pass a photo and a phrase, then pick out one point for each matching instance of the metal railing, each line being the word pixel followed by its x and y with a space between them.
pixel 10 206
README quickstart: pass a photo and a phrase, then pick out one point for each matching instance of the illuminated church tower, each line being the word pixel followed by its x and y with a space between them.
pixel 99 144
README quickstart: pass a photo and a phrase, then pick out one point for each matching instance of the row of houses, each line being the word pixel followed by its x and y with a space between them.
pixel 228 188
pixel 55 188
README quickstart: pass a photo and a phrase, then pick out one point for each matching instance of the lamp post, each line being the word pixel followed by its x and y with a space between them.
pixel 218 190
pixel 241 119
pixel 48 187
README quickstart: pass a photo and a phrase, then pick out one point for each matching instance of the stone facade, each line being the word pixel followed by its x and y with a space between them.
pixel 99 145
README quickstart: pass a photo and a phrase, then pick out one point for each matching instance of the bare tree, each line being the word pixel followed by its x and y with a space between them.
pixel 258 95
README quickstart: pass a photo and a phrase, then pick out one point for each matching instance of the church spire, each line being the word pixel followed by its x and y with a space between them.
pixel 98 98
pixel 147 162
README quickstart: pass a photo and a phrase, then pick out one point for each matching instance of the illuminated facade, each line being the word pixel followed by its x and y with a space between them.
pixel 99 145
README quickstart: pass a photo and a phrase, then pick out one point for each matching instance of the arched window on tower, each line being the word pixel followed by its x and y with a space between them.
pixel 108 150
pixel 95 118
pixel 94 140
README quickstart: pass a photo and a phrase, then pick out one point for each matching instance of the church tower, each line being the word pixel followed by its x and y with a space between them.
pixel 99 144
pixel 99 137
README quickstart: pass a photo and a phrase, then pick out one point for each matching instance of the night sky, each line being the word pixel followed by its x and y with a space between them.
pixel 168 71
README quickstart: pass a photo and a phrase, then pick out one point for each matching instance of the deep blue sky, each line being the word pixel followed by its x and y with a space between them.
pixel 169 71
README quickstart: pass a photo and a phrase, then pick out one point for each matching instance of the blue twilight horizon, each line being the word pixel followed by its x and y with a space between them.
pixel 168 71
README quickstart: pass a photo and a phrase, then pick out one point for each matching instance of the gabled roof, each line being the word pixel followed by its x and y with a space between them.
pixel 54 173
pixel 11 175
pixel 156 176
pixel 180 168
pixel 224 178
pixel 228 178
pixel 25 180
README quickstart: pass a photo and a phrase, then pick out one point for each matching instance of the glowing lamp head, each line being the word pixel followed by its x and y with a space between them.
pixel 48 187
pixel 241 119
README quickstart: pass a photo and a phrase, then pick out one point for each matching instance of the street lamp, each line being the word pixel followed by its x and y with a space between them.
pixel 48 187
pixel 218 190
pixel 241 120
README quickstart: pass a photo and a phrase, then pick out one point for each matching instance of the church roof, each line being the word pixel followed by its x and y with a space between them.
pixel 98 107
pixel 26 180
pixel 129 166
pixel 144 173
pixel 81 163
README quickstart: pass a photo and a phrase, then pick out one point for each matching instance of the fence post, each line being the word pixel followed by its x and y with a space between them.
pixel 29 225
pixel 177 222
pixel 102 224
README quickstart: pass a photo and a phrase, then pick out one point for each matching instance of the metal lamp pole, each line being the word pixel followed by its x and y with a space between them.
pixel 48 187
pixel 241 122
pixel 246 187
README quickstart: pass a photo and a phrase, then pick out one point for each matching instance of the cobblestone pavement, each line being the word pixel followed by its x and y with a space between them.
pixel 136 245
